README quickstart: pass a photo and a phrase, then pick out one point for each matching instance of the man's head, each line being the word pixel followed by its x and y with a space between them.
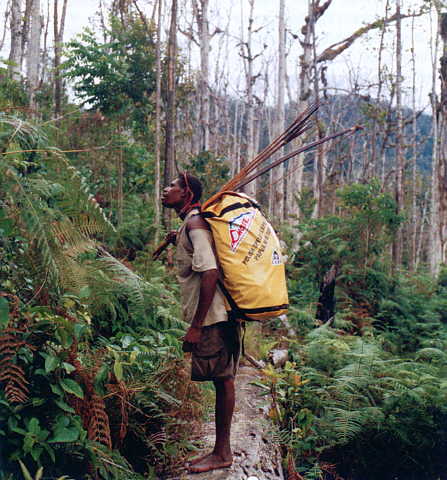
pixel 185 190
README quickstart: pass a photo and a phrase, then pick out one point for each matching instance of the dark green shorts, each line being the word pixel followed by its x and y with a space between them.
pixel 216 357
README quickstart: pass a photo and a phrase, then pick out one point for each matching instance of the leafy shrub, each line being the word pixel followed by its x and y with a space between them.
pixel 370 413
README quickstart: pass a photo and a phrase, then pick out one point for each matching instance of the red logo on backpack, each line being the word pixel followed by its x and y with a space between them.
pixel 239 227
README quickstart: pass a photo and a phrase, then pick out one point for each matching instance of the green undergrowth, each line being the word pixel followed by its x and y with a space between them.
pixel 93 383
pixel 364 397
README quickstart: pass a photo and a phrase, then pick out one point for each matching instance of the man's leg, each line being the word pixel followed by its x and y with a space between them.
pixel 221 456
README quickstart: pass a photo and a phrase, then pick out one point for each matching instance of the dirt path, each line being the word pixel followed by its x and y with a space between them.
pixel 255 458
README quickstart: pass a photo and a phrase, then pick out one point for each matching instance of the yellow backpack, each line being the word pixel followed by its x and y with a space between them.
pixel 249 254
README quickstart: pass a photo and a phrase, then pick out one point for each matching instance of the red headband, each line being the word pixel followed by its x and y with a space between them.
pixel 188 205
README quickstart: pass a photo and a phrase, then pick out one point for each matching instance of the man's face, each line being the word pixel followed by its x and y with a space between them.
pixel 173 195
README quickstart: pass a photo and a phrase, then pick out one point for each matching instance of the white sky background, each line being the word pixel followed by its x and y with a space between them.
pixel 357 64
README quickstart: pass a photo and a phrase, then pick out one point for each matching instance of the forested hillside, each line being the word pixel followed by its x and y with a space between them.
pixel 93 380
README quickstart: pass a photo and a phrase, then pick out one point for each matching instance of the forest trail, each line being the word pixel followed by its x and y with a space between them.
pixel 255 457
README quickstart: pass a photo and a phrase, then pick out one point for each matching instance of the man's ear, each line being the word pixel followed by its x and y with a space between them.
pixel 184 193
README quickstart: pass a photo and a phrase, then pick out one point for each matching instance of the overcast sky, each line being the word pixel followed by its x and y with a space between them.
pixel 342 18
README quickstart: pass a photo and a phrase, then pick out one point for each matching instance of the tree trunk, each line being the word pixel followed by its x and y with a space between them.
pixel 277 187
pixel 33 52
pixel 157 199
pixel 58 27
pixel 250 109
pixel 201 14
pixel 295 170
pixel 399 192
pixel 44 58
pixel 443 141
pixel 5 26
pixel 120 184
pixel 375 159
pixel 170 166
pixel 319 167
pixel 437 222
pixel 15 53
pixel 326 302
pixel 414 213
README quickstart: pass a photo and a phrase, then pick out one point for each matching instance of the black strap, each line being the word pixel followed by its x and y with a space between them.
pixel 275 308
pixel 187 231
pixel 229 208
pixel 236 313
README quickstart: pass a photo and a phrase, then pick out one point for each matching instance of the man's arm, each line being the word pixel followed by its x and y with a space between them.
pixel 208 284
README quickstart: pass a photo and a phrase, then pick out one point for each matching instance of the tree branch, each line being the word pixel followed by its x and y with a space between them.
pixel 337 48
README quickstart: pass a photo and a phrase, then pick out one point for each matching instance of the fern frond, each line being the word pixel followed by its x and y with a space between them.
pixel 12 375
pixel 99 427
pixel 347 424
pixel 76 201
pixel 120 273
pixel 431 354
pixel 35 219
pixel 14 130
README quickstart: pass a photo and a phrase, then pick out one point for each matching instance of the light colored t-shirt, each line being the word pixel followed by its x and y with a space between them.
pixel 192 258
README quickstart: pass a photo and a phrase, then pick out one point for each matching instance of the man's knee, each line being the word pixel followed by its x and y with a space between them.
pixel 224 384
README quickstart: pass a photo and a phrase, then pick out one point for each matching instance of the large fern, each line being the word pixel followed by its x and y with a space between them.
pixel 63 227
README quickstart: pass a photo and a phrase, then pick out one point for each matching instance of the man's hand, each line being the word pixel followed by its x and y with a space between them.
pixel 191 339
pixel 193 335
pixel 171 237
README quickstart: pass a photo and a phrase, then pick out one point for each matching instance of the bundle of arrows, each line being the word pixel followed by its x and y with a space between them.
pixel 254 169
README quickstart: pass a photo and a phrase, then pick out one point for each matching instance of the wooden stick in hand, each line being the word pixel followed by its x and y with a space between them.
pixel 171 237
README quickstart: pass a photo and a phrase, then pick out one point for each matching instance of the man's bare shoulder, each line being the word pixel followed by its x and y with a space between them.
pixel 196 222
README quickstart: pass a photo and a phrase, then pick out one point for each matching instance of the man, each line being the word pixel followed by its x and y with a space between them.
pixel 212 338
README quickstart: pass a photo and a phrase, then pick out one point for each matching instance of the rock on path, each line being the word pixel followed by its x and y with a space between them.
pixel 254 456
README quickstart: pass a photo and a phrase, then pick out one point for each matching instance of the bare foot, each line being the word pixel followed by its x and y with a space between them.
pixel 198 459
pixel 211 462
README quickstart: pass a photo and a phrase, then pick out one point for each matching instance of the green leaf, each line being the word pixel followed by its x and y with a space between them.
pixel 28 443
pixel 72 387
pixel 102 374
pixel 65 435
pixel 64 406
pixel 36 453
pixel 79 330
pixel 4 312
pixel 118 370
pixel 25 471
pixel 68 367
pixel 56 389
pixel 51 363
pixel 50 452
pixel 39 474
pixel 37 401
pixel 33 425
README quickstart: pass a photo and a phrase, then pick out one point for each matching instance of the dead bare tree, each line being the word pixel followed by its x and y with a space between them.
pixel 399 185
pixel 315 11
pixel 15 53
pixel 246 52
pixel 414 151
pixel 158 123
pixel 200 8
pixel 308 58
pixel 170 164
pixel 33 51
pixel 58 28
pixel 438 221
pixel 277 176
